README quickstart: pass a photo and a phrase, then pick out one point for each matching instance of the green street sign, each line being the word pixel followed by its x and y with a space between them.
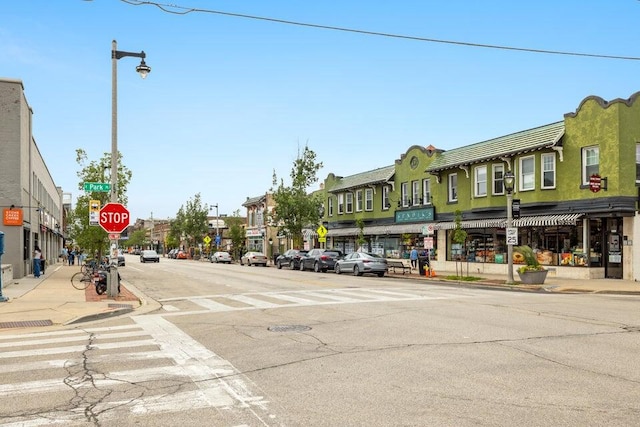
pixel 99 187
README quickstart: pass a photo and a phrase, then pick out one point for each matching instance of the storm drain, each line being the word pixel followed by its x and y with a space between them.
pixel 119 306
pixel 289 328
pixel 25 324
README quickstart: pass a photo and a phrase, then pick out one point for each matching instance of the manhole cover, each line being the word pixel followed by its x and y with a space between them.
pixel 26 324
pixel 289 328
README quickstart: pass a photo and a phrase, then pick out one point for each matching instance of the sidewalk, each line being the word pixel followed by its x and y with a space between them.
pixel 50 300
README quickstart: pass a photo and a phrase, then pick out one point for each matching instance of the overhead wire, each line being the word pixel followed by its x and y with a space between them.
pixel 182 10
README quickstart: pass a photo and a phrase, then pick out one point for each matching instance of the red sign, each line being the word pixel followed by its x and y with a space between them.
pixel 595 183
pixel 114 218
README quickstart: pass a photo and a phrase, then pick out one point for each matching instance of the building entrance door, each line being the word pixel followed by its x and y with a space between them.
pixel 613 257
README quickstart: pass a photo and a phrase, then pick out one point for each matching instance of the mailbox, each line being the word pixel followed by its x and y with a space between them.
pixel 1 242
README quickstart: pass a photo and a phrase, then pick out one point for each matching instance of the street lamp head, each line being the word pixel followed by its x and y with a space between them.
pixel 143 69
pixel 509 181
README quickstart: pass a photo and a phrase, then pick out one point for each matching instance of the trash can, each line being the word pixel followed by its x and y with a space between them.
pixel 423 262
pixel 43 262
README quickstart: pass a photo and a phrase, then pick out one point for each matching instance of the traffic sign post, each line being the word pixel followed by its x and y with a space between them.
pixel 114 219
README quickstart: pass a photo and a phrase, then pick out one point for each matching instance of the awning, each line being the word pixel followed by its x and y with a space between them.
pixel 547 220
pixel 525 221
pixel 475 223
pixel 334 232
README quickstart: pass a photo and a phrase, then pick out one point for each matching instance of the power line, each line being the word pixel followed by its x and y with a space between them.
pixel 181 10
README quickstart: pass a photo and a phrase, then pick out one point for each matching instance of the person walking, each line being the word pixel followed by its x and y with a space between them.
pixel 37 256
pixel 413 256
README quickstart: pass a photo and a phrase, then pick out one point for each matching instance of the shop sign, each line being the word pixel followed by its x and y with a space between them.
pixel 12 216
pixel 595 183
pixel 415 215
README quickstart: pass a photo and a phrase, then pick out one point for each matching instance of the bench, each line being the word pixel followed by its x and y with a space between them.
pixel 399 264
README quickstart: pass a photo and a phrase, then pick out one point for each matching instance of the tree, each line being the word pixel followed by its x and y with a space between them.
pixel 92 238
pixel 190 223
pixel 236 234
pixel 295 208
pixel 459 237
pixel 137 238
pixel 360 240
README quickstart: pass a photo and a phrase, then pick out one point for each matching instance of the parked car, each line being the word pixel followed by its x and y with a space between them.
pixel 149 256
pixel 221 256
pixel 172 253
pixel 121 260
pixel 359 263
pixel 290 258
pixel 181 255
pixel 320 260
pixel 254 258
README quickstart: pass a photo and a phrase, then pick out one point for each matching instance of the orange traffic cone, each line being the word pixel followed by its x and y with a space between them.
pixel 432 272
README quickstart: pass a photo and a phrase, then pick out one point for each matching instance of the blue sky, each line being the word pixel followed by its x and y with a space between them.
pixel 231 99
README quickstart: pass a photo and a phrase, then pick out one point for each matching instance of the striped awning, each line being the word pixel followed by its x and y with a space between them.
pixel 474 223
pixel 525 221
pixel 547 220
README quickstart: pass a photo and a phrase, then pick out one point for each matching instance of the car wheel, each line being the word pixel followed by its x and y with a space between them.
pixel 337 269
pixel 356 271
pixel 381 274
pixel 279 265
pixel 316 267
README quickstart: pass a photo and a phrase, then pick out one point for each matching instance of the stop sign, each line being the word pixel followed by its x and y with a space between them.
pixel 114 218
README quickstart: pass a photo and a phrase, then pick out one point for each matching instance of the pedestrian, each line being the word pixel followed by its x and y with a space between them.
pixel 72 256
pixel 37 256
pixel 64 255
pixel 413 256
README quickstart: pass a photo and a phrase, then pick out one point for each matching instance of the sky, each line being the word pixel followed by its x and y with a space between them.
pixel 231 100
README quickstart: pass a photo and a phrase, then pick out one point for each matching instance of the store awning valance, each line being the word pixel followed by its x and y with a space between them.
pixel 474 223
pixel 547 220
pixel 525 221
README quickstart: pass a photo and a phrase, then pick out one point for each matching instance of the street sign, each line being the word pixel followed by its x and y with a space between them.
pixel 114 218
pixel 512 236
pixel 114 236
pixel 428 242
pixel 427 230
pixel 94 212
pixel 98 187
pixel 322 231
pixel 207 240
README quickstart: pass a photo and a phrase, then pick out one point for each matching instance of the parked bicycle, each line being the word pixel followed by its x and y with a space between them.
pixel 96 275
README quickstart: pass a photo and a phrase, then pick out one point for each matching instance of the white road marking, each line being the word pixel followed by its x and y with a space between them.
pixel 203 379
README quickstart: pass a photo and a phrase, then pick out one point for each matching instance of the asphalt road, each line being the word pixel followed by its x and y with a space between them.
pixel 254 346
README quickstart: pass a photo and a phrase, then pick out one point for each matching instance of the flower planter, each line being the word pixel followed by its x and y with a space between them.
pixel 533 277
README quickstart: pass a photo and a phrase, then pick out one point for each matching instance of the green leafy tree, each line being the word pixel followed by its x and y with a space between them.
pixel 137 238
pixel 236 233
pixel 92 238
pixel 295 208
pixel 190 223
pixel 360 240
pixel 459 237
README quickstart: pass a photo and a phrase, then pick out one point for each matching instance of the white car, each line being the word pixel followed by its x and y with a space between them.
pixel 254 258
pixel 221 256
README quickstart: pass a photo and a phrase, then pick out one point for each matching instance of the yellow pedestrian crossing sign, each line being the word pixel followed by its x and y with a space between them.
pixel 322 231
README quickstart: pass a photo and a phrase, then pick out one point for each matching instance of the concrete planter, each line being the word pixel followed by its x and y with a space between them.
pixel 533 277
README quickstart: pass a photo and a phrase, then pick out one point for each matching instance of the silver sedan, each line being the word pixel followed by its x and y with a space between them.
pixel 359 263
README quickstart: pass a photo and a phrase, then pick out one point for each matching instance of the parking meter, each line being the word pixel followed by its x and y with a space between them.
pixel 1 242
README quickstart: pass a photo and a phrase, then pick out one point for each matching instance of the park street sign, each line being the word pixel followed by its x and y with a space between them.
pixel 98 187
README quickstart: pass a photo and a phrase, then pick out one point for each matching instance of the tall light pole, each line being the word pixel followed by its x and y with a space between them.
pixel 509 183
pixel 143 69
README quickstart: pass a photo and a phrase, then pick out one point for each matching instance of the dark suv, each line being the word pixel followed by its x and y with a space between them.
pixel 290 258
pixel 320 260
